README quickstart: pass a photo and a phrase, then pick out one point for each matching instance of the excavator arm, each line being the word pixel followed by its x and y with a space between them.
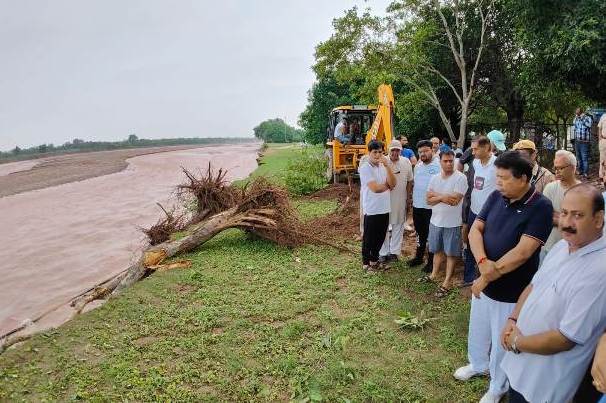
pixel 382 126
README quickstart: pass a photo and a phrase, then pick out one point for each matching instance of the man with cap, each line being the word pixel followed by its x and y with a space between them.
pixel 402 170
pixel 541 176
pixel 497 139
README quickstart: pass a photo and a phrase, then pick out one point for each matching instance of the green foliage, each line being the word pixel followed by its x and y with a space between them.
pixel 409 321
pixel 305 172
pixel 540 59
pixel 277 131
pixel 567 40
pixel 324 95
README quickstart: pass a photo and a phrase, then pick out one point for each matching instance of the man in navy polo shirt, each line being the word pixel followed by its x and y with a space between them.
pixel 505 239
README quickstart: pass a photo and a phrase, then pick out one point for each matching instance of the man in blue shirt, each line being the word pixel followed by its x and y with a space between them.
pixel 407 152
pixel 421 211
pixel 505 239
pixel 582 139
pixel 446 144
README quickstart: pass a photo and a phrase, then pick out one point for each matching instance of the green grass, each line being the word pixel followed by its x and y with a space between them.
pixel 274 162
pixel 251 321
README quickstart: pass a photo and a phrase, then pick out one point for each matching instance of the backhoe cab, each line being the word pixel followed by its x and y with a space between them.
pixel 352 127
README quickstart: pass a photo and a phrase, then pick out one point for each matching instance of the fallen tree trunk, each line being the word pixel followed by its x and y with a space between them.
pixel 199 233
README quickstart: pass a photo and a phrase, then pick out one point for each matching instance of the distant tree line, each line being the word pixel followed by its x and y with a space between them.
pixel 277 131
pixel 133 141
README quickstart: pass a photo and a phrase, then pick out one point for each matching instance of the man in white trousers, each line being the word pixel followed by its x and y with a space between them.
pixel 505 239
pixel 402 170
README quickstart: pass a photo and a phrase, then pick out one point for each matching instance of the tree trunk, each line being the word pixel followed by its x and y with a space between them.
pixel 515 115
pixel 462 127
pixel 200 233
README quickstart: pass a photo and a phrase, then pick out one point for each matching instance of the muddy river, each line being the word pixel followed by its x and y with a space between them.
pixel 59 241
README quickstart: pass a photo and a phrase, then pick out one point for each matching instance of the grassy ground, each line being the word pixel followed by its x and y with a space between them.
pixel 274 161
pixel 251 321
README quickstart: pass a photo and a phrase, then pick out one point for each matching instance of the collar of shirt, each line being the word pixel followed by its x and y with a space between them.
pixel 596 245
pixel 528 196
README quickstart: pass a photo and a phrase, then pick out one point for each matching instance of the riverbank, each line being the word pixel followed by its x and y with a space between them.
pixel 253 321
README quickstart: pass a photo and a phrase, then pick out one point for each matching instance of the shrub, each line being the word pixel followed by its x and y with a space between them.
pixel 305 172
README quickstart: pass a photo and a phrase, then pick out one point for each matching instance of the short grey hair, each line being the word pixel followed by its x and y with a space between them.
pixel 572 159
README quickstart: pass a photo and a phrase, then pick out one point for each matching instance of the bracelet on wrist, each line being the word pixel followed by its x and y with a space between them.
pixel 514 345
pixel 512 318
pixel 482 260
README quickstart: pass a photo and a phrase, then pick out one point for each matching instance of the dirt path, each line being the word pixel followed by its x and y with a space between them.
pixel 61 240
pixel 23 176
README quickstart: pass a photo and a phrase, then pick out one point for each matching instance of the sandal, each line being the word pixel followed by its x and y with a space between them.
pixel 425 279
pixel 383 267
pixel 372 268
pixel 442 292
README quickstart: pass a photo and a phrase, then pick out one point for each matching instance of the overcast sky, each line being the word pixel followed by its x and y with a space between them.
pixel 103 69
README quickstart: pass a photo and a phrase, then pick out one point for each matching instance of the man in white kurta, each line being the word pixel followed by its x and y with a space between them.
pixel 402 169
pixel 553 331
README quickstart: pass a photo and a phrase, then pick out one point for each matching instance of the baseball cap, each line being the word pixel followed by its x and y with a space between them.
pixel 525 145
pixel 498 139
pixel 395 144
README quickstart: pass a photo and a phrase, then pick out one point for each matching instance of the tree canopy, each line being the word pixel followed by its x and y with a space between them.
pixel 277 131
pixel 455 65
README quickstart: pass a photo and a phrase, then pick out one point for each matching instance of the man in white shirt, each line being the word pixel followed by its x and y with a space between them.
pixel 484 183
pixel 565 166
pixel 402 170
pixel 554 329
pixel 376 182
pixel 421 211
pixel 445 196
pixel 602 144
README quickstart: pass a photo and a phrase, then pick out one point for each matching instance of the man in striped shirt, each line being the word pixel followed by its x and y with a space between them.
pixel 582 138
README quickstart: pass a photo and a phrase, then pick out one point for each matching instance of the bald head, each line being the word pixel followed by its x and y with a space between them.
pixel 590 193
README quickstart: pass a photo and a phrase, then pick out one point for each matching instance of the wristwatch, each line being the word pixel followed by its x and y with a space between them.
pixel 514 348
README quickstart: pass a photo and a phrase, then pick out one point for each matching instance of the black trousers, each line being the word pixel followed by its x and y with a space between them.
pixel 375 229
pixel 421 217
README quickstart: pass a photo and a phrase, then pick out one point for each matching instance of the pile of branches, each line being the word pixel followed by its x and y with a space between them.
pixel 166 226
pixel 211 193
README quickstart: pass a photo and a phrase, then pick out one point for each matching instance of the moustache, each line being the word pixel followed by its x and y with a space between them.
pixel 570 230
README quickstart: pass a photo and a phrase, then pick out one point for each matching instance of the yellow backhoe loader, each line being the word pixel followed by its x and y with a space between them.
pixel 352 127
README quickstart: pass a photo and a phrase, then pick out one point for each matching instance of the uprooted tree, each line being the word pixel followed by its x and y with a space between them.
pixel 259 208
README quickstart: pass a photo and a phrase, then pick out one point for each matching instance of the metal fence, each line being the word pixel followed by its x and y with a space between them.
pixel 547 137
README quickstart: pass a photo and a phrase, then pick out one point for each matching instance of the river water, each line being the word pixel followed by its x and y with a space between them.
pixel 59 241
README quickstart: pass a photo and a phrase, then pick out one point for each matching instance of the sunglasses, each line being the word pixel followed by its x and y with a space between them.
pixel 555 169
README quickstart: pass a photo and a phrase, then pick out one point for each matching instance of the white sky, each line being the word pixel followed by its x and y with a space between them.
pixel 103 69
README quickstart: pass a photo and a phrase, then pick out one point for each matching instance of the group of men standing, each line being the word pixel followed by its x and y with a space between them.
pixel 533 331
